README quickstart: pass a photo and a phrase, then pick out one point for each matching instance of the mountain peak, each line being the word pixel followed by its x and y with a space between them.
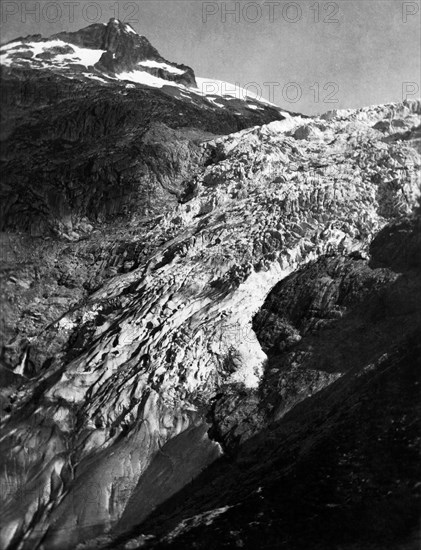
pixel 125 27
pixel 127 51
pixel 113 48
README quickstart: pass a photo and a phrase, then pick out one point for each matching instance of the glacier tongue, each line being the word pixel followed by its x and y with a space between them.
pixel 162 340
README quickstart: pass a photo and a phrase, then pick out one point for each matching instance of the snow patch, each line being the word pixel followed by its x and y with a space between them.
pixel 210 86
pixel 254 107
pixel 128 28
pixel 142 77
pixel 158 65
pixel 94 77
pixel 213 100
pixel 87 56
pixel 82 56
pixel 10 45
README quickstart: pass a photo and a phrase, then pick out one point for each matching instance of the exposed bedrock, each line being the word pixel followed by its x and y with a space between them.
pixel 106 154
pixel 124 49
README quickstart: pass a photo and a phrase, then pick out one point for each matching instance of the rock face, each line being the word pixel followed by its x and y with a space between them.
pixel 96 124
pixel 341 469
pixel 242 308
pixel 124 50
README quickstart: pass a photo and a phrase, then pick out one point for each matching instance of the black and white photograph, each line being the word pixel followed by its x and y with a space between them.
pixel 210 275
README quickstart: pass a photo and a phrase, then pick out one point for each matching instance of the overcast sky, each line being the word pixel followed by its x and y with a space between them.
pixel 358 52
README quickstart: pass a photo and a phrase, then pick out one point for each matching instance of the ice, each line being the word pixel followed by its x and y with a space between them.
pixel 142 77
pixel 129 28
pixel 159 65
pixel 211 86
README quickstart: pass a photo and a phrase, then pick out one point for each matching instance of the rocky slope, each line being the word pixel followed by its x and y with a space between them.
pixel 97 124
pixel 200 287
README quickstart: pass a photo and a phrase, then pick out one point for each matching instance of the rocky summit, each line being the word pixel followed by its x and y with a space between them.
pixel 211 309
